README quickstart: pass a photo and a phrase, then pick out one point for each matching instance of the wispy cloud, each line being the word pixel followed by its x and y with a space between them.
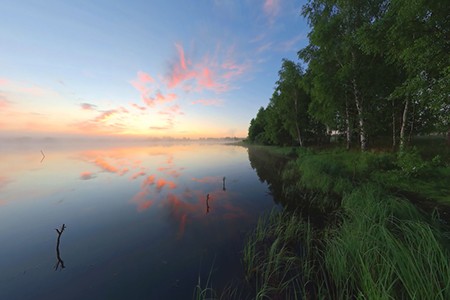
pixel 88 106
pixel 142 108
pixel 271 9
pixel 208 102
pixel 171 110
pixel 264 47
pixel 145 78
pixel 4 102
pixel 292 44
pixel 212 73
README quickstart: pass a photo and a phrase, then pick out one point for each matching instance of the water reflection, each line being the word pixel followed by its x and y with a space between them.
pixel 269 168
pixel 141 203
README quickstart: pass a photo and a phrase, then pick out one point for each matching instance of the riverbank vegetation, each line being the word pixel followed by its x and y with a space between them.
pixel 364 118
pixel 349 229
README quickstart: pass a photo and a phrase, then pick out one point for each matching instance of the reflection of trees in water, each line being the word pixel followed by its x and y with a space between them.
pixel 269 168
pixel 314 205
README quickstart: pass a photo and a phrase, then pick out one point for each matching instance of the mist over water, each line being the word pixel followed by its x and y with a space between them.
pixel 141 220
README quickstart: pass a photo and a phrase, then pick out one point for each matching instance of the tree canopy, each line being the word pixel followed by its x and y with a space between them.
pixel 376 69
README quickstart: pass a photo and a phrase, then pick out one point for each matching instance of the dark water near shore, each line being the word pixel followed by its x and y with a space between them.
pixel 143 222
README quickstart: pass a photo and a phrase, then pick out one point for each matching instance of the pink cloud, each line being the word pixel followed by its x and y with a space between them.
pixel 4 81
pixel 206 80
pixel 233 69
pixel 208 102
pixel 105 115
pixel 159 98
pixel 181 54
pixel 211 72
pixel 145 78
pixel 179 71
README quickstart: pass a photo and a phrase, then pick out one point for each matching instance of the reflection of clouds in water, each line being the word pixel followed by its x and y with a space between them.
pixel 4 181
pixel 136 175
pixel 162 183
pixel 87 175
pixel 207 179
pixel 191 204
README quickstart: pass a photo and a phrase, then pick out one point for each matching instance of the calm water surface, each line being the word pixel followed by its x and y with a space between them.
pixel 140 224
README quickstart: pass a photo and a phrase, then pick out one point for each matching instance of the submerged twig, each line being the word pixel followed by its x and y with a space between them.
pixel 59 262
pixel 207 203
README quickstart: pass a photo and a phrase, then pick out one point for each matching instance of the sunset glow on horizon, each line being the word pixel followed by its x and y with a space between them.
pixel 165 69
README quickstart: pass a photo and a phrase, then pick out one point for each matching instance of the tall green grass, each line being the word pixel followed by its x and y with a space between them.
pixel 276 256
pixel 377 246
pixel 385 249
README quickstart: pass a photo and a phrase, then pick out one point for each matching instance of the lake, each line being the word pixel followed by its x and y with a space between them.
pixel 141 221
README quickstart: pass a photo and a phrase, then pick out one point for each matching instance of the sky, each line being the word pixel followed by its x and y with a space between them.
pixel 160 68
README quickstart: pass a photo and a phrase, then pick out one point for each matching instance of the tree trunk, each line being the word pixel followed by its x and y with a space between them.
pixel 394 136
pixel 347 125
pixel 403 128
pixel 300 142
pixel 412 122
pixel 362 131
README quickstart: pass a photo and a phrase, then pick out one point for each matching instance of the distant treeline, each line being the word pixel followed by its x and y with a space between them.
pixel 377 69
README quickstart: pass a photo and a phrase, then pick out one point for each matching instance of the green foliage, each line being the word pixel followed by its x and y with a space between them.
pixel 411 163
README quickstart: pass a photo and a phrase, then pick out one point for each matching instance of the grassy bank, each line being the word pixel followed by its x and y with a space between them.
pixel 382 230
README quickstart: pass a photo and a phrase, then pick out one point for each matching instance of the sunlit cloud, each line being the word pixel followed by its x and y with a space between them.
pixel 86 175
pixel 208 102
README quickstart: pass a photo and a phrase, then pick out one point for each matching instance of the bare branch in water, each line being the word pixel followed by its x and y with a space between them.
pixel 59 262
